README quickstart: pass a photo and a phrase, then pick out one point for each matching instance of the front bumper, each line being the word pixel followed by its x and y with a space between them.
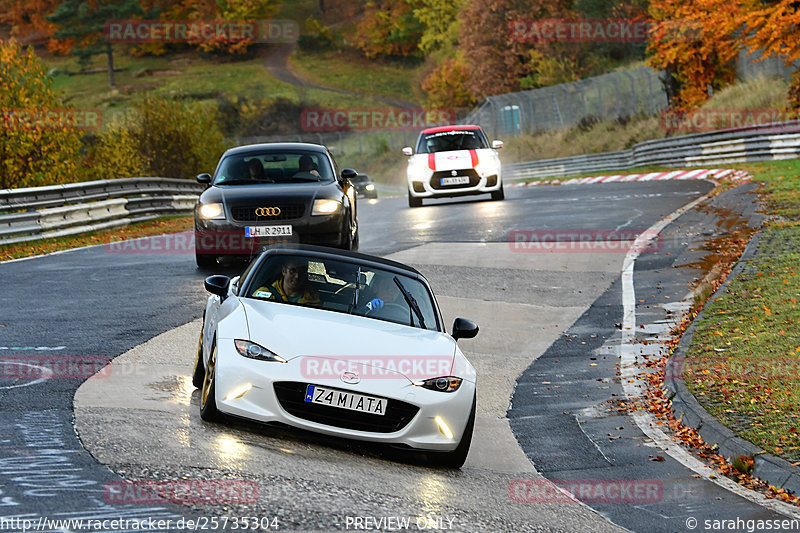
pixel 421 187
pixel 226 237
pixel 261 403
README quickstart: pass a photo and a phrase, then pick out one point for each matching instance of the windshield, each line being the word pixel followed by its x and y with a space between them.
pixel 345 288
pixel 446 141
pixel 296 166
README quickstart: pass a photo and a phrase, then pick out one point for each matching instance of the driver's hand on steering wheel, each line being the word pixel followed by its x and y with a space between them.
pixel 375 304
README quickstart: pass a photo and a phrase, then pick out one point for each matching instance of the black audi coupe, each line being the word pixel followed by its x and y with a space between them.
pixel 261 194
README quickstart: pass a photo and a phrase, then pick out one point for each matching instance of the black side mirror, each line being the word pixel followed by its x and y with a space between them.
pixel 204 178
pixel 348 174
pixel 464 329
pixel 218 285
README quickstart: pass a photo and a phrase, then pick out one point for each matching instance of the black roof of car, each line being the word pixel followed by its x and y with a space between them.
pixel 276 147
pixel 334 253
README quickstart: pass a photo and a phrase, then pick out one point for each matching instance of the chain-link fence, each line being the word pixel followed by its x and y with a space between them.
pixel 618 95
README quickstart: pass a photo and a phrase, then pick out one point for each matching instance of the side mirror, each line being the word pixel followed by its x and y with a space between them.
pixel 497 144
pixel 218 285
pixel 408 151
pixel 464 329
pixel 348 174
pixel 204 178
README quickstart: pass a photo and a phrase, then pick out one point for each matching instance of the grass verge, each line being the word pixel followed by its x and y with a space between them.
pixel 744 362
pixel 143 229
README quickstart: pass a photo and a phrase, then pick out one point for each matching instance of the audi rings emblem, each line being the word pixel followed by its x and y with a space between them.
pixel 268 211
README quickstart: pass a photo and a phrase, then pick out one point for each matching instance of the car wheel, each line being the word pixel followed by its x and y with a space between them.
pixel 356 240
pixel 205 260
pixel 208 402
pixel 457 457
pixel 199 371
pixel 347 239
pixel 499 194
pixel 413 201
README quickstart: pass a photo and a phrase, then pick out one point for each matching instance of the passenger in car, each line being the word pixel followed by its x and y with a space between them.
pixel 292 287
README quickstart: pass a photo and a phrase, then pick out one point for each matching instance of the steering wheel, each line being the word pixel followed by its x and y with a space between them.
pixel 387 306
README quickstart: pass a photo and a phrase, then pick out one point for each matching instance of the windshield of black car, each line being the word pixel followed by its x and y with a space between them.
pixel 446 141
pixel 295 166
pixel 332 285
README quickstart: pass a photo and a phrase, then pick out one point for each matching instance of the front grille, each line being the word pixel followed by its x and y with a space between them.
pixel 436 179
pixel 291 396
pixel 247 213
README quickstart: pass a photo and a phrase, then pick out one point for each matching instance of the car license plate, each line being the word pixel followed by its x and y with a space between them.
pixel 345 400
pixel 456 180
pixel 268 231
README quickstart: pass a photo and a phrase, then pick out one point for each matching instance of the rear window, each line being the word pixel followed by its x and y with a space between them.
pixel 447 141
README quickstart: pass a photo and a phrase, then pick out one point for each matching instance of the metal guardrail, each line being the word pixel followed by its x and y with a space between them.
pixel 41 212
pixel 766 142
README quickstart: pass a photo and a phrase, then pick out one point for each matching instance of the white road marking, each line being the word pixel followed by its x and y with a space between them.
pixel 633 387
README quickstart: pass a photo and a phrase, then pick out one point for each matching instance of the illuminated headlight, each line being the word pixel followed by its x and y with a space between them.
pixel 211 211
pixel 418 169
pixel 255 351
pixel 443 384
pixel 488 167
pixel 370 187
pixel 325 207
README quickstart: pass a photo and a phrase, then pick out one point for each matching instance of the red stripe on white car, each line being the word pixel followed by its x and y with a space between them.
pixel 473 155
pixel 432 161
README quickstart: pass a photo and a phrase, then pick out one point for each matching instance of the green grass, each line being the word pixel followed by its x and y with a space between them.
pixel 188 75
pixel 348 70
pixel 744 362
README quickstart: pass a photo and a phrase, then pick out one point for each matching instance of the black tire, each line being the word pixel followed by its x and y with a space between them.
pixel 356 240
pixel 199 370
pixel 499 194
pixel 413 201
pixel 208 402
pixel 457 457
pixel 205 260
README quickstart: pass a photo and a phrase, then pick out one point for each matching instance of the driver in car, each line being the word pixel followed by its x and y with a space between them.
pixel 306 168
pixel 292 287
pixel 383 291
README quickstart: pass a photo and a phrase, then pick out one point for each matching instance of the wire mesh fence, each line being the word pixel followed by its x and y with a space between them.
pixel 618 95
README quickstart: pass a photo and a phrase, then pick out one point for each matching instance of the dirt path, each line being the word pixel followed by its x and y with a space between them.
pixel 276 61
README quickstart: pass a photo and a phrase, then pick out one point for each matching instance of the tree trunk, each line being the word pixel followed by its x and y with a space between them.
pixel 110 56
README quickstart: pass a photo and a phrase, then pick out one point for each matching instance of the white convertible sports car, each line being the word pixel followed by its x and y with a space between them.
pixel 453 161
pixel 339 343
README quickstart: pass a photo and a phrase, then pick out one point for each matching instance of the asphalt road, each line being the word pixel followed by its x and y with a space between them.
pixel 91 306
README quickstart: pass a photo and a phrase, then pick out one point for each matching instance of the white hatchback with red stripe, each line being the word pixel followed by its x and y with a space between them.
pixel 453 161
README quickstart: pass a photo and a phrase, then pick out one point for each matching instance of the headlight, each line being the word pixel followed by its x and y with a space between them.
pixel 325 207
pixel 212 211
pixel 255 351
pixel 370 187
pixel 418 169
pixel 488 167
pixel 443 384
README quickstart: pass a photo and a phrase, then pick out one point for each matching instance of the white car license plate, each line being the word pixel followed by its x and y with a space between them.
pixel 267 231
pixel 456 180
pixel 345 400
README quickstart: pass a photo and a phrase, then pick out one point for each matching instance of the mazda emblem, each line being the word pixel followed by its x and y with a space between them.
pixel 350 377
pixel 268 211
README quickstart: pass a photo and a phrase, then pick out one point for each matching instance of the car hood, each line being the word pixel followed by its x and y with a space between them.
pixel 455 159
pixel 295 332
